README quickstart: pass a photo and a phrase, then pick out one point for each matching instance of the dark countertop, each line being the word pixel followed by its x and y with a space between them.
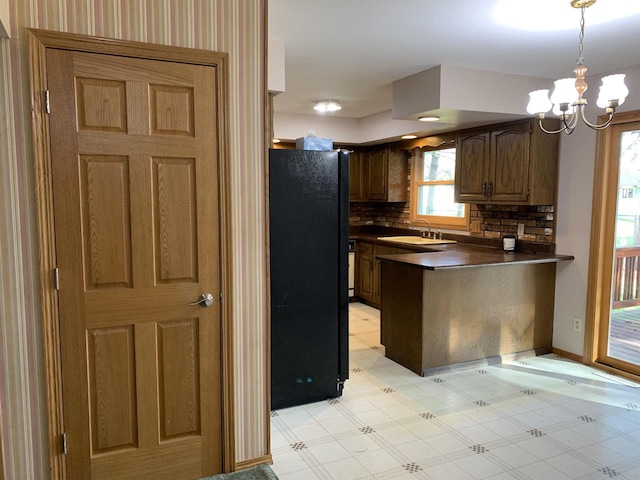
pixel 455 255
pixel 464 256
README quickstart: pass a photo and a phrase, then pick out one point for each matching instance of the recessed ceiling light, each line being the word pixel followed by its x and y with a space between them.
pixel 408 137
pixel 327 106
pixel 429 118
pixel 276 140
pixel 554 15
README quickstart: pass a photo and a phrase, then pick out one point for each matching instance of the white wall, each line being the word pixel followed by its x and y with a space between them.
pixel 573 230
pixel 449 87
pixel 378 127
pixel 275 67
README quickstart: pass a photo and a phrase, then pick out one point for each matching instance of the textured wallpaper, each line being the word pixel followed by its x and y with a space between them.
pixel 233 26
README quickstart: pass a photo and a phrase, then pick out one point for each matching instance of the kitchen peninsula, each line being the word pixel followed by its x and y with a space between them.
pixel 461 305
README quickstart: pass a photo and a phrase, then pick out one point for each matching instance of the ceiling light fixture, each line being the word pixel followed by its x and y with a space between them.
pixel 567 100
pixel 429 118
pixel 409 137
pixel 327 106
pixel 534 16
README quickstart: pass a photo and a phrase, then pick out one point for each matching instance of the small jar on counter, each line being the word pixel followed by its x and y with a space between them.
pixel 509 243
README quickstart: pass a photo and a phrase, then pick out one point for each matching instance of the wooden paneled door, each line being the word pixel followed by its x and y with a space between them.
pixel 136 215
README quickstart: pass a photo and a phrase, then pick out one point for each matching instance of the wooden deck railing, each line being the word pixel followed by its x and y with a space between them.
pixel 626 277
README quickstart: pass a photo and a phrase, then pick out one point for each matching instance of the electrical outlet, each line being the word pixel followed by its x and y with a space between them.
pixel 475 226
pixel 577 324
pixel 520 229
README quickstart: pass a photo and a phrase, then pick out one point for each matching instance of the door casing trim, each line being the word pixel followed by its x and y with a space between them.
pixel 600 262
pixel 39 41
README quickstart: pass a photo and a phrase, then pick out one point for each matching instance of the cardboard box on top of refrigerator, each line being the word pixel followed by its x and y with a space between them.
pixel 311 142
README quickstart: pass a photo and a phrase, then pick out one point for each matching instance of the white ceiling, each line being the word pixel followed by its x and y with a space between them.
pixel 353 50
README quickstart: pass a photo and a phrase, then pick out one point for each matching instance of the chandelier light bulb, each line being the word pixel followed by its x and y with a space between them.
pixel 613 89
pixel 564 91
pixel 539 102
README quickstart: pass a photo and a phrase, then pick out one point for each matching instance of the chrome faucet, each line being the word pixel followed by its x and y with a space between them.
pixel 428 232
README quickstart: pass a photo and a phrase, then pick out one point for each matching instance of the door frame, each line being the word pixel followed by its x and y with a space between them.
pixel 39 41
pixel 2 474
pixel 602 243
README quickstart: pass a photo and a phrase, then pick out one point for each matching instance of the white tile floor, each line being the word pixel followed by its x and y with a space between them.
pixel 542 418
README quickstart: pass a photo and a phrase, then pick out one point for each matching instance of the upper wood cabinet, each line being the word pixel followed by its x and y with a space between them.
pixel 513 163
pixel 472 167
pixel 378 174
pixel 378 163
pixel 356 176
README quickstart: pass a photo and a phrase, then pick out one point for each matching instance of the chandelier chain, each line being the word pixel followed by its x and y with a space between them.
pixel 580 45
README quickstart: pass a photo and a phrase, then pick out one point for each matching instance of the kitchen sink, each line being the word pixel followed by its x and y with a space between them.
pixel 415 240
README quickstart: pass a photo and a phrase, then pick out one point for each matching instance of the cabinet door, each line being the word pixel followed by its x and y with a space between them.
pixel 364 270
pixel 366 277
pixel 377 177
pixel 377 268
pixel 356 177
pixel 509 164
pixel 472 166
pixel 397 173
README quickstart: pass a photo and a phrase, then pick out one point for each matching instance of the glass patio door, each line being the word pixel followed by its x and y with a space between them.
pixel 619 344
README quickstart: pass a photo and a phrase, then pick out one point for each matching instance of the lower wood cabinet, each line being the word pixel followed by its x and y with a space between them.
pixel 365 265
pixel 368 268
pixel 377 268
pixel 433 319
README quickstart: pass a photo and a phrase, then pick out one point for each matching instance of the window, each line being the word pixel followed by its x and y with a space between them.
pixel 432 180
pixel 627 192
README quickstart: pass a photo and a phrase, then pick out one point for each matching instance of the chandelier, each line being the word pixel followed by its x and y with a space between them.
pixel 567 98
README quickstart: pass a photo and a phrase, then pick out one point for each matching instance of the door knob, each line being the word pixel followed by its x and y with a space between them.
pixel 205 300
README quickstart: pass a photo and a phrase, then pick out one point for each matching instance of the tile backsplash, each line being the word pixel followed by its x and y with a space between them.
pixel 495 221
pixel 379 214
pixel 487 221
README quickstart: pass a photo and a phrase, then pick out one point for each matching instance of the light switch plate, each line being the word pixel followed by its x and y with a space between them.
pixel 520 229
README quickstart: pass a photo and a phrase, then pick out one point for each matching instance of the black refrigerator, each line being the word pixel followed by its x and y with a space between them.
pixel 308 227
